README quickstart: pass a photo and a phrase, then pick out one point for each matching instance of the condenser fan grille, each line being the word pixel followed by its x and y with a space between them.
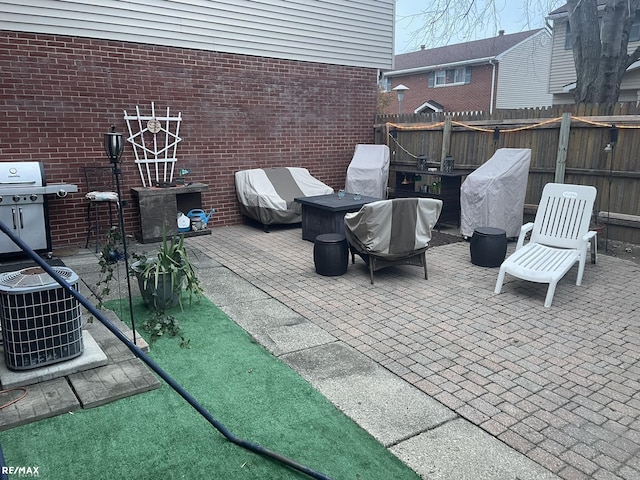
pixel 41 321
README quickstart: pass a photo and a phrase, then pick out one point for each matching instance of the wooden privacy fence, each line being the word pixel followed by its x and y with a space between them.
pixel 584 144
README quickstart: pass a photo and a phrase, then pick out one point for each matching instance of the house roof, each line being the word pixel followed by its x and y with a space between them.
pixel 461 52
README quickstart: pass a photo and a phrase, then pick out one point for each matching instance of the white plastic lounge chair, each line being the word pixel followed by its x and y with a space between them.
pixel 392 232
pixel 559 238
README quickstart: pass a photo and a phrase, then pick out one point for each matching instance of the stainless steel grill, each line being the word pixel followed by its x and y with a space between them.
pixel 23 205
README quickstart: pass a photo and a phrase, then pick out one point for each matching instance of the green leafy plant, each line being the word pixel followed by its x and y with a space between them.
pixel 110 254
pixel 159 324
pixel 162 278
pixel 170 267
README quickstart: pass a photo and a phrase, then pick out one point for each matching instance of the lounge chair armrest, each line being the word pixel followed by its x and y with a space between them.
pixel 590 234
pixel 524 229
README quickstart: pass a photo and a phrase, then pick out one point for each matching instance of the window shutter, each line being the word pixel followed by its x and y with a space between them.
pixel 467 75
pixel 432 79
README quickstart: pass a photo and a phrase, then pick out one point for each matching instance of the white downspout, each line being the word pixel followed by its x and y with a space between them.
pixel 493 85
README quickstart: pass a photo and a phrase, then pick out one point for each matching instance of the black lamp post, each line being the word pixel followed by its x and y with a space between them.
pixel 114 146
pixel 613 139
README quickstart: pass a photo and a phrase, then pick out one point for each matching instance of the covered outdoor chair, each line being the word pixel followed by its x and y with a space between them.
pixel 368 171
pixel 392 232
pixel 559 238
pixel 493 195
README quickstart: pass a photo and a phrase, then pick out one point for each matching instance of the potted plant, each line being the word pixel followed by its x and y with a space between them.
pixel 161 277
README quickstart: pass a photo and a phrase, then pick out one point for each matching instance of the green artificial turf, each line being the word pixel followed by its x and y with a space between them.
pixel 157 435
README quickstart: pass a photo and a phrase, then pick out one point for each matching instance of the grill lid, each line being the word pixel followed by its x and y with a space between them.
pixel 34 278
pixel 21 174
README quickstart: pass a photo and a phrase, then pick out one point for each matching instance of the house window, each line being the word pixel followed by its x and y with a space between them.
pixel 634 34
pixel 453 76
pixel 385 84
pixel 568 42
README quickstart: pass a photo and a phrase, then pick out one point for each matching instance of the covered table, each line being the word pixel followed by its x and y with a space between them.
pixel 493 195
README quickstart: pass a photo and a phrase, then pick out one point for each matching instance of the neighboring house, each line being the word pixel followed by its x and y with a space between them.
pixel 258 83
pixel 506 71
pixel 562 76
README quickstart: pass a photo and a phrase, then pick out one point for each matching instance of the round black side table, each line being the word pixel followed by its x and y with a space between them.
pixel 331 254
pixel 488 246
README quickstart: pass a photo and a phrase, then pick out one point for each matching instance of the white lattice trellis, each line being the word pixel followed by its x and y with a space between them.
pixel 154 144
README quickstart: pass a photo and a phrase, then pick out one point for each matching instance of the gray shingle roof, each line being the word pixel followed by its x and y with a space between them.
pixel 487 47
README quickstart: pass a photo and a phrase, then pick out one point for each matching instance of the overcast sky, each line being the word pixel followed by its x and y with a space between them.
pixel 511 18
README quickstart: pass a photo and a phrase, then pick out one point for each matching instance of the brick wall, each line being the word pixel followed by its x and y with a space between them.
pixel 457 98
pixel 61 94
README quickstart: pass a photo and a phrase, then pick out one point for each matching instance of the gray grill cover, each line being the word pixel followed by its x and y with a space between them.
pixel 493 195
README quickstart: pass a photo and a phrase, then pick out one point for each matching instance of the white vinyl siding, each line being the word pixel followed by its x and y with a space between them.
pixel 342 32
pixel 523 74
pixel 562 71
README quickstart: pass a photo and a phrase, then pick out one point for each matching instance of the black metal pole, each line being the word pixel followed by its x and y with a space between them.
pixel 606 237
pixel 253 447
pixel 116 173
pixel 613 139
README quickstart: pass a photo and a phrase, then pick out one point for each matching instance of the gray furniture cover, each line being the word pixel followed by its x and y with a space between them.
pixel 368 171
pixel 266 194
pixel 392 232
pixel 493 195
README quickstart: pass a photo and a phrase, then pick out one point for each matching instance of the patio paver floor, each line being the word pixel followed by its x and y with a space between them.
pixel 560 385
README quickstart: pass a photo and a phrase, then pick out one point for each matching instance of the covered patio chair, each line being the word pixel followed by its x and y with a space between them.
pixel 392 232
pixel 368 171
pixel 559 238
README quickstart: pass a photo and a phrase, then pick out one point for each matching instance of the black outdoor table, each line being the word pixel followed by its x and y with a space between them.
pixel 325 213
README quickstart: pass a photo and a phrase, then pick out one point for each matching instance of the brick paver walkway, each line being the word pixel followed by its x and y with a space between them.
pixel 560 384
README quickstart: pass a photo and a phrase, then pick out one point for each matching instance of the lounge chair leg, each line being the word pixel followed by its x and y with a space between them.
pixel 549 298
pixel 500 281
pixel 581 263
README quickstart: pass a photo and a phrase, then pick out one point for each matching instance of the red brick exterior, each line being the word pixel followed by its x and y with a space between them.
pixel 456 98
pixel 61 94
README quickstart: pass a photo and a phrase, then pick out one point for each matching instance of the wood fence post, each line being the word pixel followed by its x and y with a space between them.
pixel 563 143
pixel 446 140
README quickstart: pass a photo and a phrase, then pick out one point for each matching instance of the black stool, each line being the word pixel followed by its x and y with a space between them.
pixel 488 246
pixel 331 254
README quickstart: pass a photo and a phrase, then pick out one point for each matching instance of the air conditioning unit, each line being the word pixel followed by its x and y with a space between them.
pixel 41 321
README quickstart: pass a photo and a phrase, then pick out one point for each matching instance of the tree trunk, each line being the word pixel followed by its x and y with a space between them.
pixel 600 47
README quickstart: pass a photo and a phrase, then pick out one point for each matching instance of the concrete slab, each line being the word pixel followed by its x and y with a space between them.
pixel 224 287
pixel 389 408
pixel 42 400
pixel 463 451
pixel 104 335
pixel 91 357
pixel 276 327
pixel 112 382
